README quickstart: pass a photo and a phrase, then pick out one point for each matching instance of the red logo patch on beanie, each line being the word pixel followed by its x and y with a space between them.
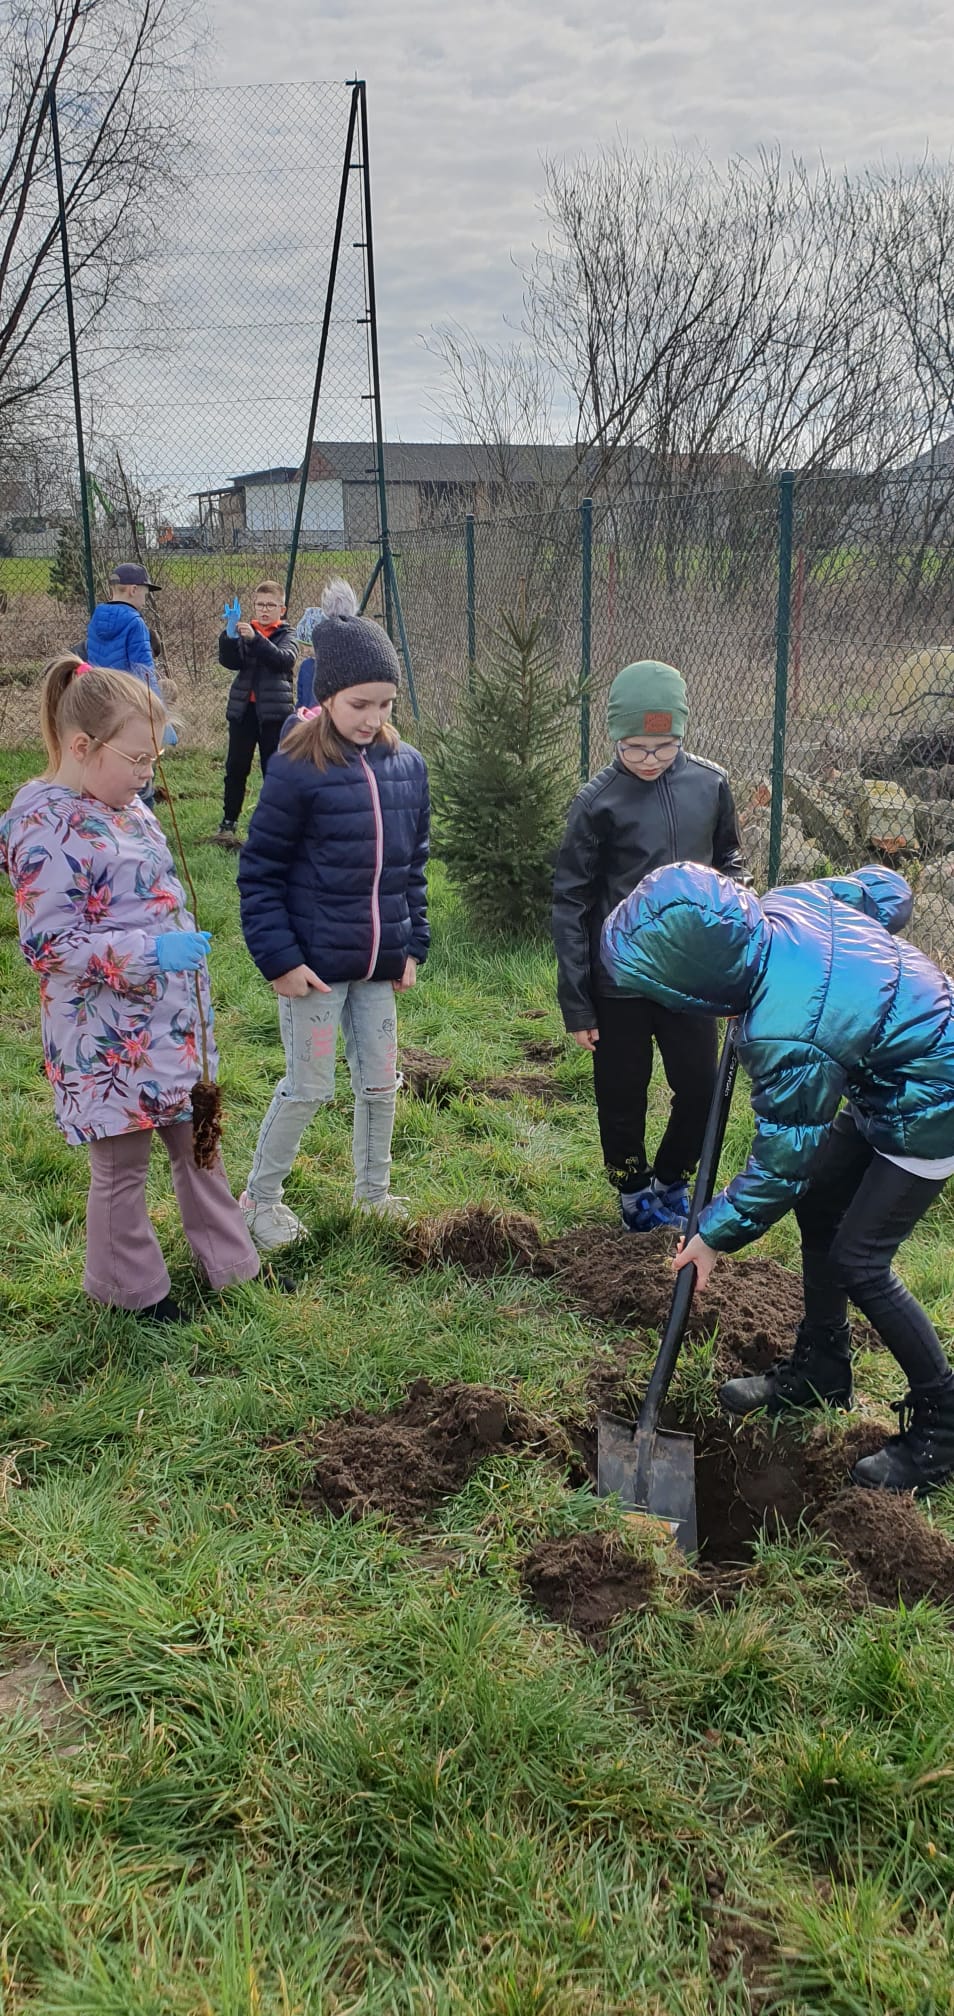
pixel 657 724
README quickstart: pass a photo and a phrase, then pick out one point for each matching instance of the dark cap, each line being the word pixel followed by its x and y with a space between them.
pixel 129 575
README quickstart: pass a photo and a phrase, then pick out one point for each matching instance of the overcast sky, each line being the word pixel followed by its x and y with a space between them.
pixel 464 100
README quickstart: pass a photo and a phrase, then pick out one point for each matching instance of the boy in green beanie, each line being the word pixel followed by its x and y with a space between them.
pixel 652 805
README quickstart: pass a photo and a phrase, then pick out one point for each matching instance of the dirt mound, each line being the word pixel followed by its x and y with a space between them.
pixel 587 1580
pixel 890 1545
pixel 430 1077
pixel 427 1076
pixel 755 1305
pixel 403 1462
pixel 478 1239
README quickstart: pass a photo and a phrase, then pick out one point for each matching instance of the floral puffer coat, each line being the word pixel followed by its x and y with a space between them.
pixel 94 888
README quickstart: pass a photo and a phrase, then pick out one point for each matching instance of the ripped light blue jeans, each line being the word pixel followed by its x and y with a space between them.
pixel 366 1012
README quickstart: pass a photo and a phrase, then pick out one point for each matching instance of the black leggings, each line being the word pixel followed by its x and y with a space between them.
pixel 853 1217
pixel 245 737
pixel 622 1069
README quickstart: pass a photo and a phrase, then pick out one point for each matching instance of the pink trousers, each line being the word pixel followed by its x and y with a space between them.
pixel 124 1263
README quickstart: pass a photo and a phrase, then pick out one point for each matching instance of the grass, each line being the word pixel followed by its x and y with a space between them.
pixel 31 576
pixel 329 1768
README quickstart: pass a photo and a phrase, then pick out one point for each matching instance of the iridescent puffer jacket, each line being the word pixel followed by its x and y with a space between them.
pixel 829 1006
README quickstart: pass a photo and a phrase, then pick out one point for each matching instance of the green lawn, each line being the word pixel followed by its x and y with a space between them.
pixel 329 1767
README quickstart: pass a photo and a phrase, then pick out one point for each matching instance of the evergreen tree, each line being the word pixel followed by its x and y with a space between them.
pixel 68 569
pixel 502 781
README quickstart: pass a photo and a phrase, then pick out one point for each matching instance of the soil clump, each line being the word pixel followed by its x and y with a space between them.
pixel 891 1546
pixel 481 1241
pixel 587 1580
pixel 403 1462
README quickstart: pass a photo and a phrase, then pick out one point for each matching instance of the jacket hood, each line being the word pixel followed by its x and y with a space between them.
pixel 110 620
pixel 877 892
pixel 688 938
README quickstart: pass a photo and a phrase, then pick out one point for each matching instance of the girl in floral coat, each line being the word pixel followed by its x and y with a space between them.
pixel 103 921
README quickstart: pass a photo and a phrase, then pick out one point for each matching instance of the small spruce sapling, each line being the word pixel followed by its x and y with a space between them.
pixel 502 781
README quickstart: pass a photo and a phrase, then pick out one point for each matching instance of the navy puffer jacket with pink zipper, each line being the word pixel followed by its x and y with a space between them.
pixel 332 873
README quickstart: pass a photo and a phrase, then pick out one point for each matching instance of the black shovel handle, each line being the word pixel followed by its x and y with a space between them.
pixel 671 1341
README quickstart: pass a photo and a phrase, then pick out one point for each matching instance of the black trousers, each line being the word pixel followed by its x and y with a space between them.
pixel 622 1068
pixel 245 737
pixel 853 1217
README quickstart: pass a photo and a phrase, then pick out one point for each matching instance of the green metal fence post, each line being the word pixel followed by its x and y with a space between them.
pixel 786 513
pixel 471 599
pixel 74 358
pixel 586 630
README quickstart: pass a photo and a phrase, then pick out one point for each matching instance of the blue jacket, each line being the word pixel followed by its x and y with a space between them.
pixel 829 1007
pixel 332 872
pixel 118 637
pixel 305 691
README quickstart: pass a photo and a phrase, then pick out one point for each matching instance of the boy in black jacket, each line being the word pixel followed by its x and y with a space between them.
pixel 652 805
pixel 262 656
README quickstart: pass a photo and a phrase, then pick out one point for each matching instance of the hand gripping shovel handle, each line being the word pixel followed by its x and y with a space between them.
pixel 671 1342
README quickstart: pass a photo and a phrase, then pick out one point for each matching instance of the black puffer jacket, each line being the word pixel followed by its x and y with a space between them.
pixel 619 828
pixel 264 668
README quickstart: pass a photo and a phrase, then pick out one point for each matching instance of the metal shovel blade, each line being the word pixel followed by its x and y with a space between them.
pixel 627 1455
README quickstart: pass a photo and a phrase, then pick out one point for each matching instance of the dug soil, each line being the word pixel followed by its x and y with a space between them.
pixel 891 1547
pixel 427 1076
pixel 587 1580
pixel 481 1241
pixel 753 1307
pixel 403 1462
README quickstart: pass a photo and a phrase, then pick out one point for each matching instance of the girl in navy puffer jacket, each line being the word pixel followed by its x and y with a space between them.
pixel 334 908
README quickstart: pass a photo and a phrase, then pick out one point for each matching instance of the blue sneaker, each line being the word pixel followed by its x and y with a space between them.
pixel 650 1210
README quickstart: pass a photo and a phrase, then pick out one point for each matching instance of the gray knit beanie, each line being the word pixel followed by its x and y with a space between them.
pixel 349 649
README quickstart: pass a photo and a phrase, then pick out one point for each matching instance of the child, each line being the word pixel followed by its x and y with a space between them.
pixel 334 909
pixel 831 1009
pixel 653 803
pixel 262 656
pixel 104 923
pixel 118 637
pixel 117 634
pixel 304 632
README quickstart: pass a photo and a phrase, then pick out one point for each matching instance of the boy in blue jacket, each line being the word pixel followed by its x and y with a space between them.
pixel 847 1034
pixel 117 636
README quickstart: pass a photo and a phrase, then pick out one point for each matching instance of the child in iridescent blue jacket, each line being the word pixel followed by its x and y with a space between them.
pixel 847 1034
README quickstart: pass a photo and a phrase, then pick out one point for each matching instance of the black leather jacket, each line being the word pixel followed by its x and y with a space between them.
pixel 619 828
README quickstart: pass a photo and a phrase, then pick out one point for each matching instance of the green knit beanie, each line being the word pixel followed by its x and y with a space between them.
pixel 647 699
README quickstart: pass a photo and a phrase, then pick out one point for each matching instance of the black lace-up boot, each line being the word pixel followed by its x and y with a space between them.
pixel 818 1374
pixel 920 1458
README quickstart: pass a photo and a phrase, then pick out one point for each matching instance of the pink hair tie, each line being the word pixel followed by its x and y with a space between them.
pixel 308 713
pixel 80 669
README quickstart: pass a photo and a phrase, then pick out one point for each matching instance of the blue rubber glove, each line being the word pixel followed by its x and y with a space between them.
pixel 170 739
pixel 182 951
pixel 232 617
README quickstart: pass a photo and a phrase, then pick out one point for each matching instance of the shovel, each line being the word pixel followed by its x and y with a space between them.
pixel 651 1468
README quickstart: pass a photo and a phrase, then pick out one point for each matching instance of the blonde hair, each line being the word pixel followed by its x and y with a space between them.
pixel 274 587
pixel 91 700
pixel 317 741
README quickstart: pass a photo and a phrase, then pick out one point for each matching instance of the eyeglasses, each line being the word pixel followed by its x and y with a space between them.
pixel 643 754
pixel 137 762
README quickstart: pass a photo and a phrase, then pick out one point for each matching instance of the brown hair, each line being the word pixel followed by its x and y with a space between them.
pixel 275 587
pixel 317 741
pixel 90 700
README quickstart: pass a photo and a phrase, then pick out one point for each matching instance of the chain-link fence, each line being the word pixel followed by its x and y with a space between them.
pixel 230 415
pixel 810 617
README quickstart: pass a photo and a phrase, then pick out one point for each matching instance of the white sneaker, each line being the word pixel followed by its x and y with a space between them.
pixel 271 1225
pixel 390 1206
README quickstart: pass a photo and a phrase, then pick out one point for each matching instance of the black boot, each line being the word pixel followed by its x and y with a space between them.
pixel 920 1458
pixel 818 1374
